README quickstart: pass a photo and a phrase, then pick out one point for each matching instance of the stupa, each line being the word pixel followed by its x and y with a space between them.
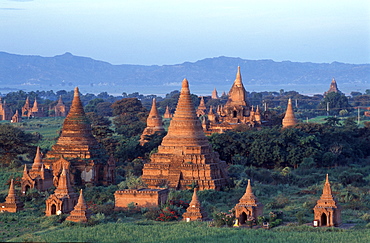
pixel 327 211
pixel 214 94
pixel 153 124
pixel 80 212
pixel 16 117
pixel 333 88
pixel 77 144
pixel 185 156
pixel 248 207
pixel 289 118
pixel 194 212
pixel 64 198
pixel 60 108
pixel 12 203
pixel 202 109
pixel 37 177
pixel 167 113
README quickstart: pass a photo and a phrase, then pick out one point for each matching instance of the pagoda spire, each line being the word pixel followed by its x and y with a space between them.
pixel 237 93
pixel 12 197
pixel 37 162
pixel 248 196
pixel 185 128
pixel 64 185
pixel 60 101
pixel 289 118
pixel 80 212
pixel 194 200
pixel 238 79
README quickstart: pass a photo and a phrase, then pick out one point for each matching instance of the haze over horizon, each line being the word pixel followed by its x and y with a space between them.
pixel 168 32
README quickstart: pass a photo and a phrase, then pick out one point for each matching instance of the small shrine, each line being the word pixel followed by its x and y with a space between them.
pixel 153 124
pixel 37 177
pixel 327 211
pixel 167 113
pixel 202 109
pixel 248 207
pixel 194 212
pixel 60 108
pixel 64 198
pixel 12 203
pixel 5 111
pixel 289 118
pixel 80 212
pixel 143 197
pixel 16 117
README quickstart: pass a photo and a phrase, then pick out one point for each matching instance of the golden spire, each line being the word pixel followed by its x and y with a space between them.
pixel 194 200
pixel 238 79
pixel 81 204
pixel 289 118
pixel 37 162
pixel 153 111
pixel 326 191
pixel 237 93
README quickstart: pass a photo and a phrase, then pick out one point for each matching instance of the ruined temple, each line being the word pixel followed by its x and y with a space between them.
pixel 248 207
pixel 235 112
pixel 37 177
pixel 153 124
pixel 80 212
pixel 12 203
pixel 5 112
pixel 195 211
pixel 64 198
pixel 327 211
pixel 60 108
pixel 289 119
pixel 185 156
pixel 89 162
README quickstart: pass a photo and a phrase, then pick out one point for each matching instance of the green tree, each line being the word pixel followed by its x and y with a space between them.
pixel 15 142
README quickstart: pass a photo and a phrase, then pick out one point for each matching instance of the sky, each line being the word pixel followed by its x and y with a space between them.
pixel 166 32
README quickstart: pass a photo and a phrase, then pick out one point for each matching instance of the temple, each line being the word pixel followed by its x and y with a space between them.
pixel 333 88
pixel 16 117
pixel 64 198
pixel 194 212
pixel 214 94
pixel 12 203
pixel 167 113
pixel 5 112
pixel 248 207
pixel 80 212
pixel 60 108
pixel 37 177
pixel 33 111
pixel 143 197
pixel 89 162
pixel 327 212
pixel 235 112
pixel 185 156
pixel 202 109
pixel 153 124
pixel 289 118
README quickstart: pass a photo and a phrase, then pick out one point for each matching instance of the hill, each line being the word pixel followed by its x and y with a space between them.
pixel 67 71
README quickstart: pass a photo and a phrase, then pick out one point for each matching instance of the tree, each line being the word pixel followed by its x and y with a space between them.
pixel 15 142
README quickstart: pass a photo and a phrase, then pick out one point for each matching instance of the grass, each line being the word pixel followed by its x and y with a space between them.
pixel 151 231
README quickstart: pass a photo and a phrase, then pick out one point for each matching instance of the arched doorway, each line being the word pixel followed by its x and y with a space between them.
pixel 324 220
pixel 243 218
pixel 53 209
pixel 235 114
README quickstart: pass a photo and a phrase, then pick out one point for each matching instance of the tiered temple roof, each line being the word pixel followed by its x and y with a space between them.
pixel 80 212
pixel 185 156
pixel 194 212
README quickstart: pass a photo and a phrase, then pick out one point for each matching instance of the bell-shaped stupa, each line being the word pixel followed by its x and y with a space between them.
pixel 289 118
pixel 185 156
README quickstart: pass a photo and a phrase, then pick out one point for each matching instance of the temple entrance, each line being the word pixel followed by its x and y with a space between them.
pixel 53 209
pixel 235 114
pixel 324 221
pixel 27 188
pixel 243 218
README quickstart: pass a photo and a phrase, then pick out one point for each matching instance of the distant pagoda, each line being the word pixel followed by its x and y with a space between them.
pixel 153 124
pixel 76 144
pixel 289 118
pixel 185 156
pixel 194 212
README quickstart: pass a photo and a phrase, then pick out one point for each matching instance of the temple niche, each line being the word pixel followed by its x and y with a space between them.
pixel 37 177
pixel 248 207
pixel 235 112
pixel 153 124
pixel 327 211
pixel 185 156
pixel 64 198
pixel 89 163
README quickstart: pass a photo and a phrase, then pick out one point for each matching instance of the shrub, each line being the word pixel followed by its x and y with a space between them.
pixel 223 218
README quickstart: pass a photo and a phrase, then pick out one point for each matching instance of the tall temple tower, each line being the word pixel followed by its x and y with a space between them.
pixel 237 93
pixel 5 112
pixel 202 109
pixel 60 108
pixel 78 146
pixel 289 118
pixel 185 156
pixel 153 124
pixel 327 212
pixel 333 87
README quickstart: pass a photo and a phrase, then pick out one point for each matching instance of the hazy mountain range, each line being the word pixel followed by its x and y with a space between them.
pixel 67 71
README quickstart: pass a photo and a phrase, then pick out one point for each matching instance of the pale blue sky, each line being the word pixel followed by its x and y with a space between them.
pixel 172 31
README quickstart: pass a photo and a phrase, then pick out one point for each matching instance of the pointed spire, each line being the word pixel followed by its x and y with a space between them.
pixel 194 200
pixel 60 101
pixel 327 188
pixel 237 93
pixel 153 111
pixel 37 162
pixel 25 171
pixel 12 197
pixel 185 128
pixel 64 185
pixel 202 105
pixel 214 94
pixel 81 204
pixel 289 118
pixel 167 113
pixel 238 79
pixel 248 197
pixel 257 110
pixel 35 105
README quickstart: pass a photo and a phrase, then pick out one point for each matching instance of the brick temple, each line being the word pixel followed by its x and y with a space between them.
pixel 89 162
pixel 185 156
pixel 289 119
